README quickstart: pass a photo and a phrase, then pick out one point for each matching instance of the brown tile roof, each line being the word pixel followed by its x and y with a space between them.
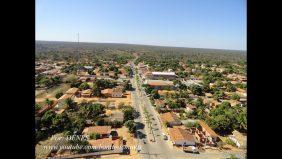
pixel 65 96
pixel 72 90
pixel 169 117
pixel 107 91
pixel 97 129
pixel 207 128
pixel 160 83
pixel 180 134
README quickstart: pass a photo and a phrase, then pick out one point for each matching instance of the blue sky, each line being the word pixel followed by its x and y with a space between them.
pixel 186 23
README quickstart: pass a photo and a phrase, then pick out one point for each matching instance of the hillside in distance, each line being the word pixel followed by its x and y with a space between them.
pixel 71 49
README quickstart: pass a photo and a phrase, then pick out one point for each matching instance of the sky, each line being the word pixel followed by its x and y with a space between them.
pixel 218 24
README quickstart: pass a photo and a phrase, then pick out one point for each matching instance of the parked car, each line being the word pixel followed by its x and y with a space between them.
pixel 164 136
pixel 144 141
pixel 191 149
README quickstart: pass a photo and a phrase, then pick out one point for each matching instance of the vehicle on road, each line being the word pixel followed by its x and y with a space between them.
pixel 164 136
pixel 191 149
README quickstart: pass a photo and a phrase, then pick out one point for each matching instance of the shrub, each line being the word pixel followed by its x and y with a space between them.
pixel 58 95
pixel 95 136
pixel 84 86
pixel 230 142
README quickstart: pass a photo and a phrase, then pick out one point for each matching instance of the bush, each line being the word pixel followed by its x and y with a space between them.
pixel 94 136
pixel 71 79
pixel 40 135
pixel 116 124
pixel 230 142
pixel 192 124
pixel 84 86
pixel 128 113
pixel 58 95
pixel 37 107
pixel 75 84
pixel 131 125
pixel 196 89
pixel 235 96
pixel 100 122
pixel 189 124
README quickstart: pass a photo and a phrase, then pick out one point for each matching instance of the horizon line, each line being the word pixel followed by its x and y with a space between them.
pixel 144 45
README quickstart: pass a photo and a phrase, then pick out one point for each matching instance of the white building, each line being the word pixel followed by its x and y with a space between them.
pixel 165 75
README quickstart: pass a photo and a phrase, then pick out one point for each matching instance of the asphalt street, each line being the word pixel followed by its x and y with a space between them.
pixel 160 148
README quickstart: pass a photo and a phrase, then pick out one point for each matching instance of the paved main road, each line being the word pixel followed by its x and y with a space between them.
pixel 162 149
pixel 149 149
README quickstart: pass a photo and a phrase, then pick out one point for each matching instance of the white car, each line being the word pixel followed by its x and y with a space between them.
pixel 191 149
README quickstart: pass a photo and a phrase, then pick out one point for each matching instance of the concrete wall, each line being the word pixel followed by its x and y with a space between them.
pixel 181 142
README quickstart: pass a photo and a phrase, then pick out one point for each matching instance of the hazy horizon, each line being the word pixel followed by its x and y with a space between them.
pixel 138 44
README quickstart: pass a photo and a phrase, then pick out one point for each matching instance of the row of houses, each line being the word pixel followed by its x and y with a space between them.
pixel 73 93
pixel 116 92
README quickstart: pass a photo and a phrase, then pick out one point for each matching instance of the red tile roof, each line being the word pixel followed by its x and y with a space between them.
pixel 180 134
pixel 169 117
pixel 207 128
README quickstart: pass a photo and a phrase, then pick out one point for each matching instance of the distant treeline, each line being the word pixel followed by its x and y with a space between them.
pixel 66 50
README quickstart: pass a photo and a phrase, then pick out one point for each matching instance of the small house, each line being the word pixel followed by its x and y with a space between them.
pixel 181 137
pixel 104 131
pixel 170 119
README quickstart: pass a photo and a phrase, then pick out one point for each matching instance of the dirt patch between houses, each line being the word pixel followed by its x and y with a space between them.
pixel 126 99
pixel 50 93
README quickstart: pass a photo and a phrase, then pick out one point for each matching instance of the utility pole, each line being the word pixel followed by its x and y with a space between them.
pixel 78 47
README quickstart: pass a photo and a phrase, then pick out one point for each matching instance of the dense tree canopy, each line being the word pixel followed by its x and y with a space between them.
pixel 196 89
pixel 224 118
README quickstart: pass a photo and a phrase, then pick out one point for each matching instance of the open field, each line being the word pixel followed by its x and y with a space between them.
pixel 50 93
pixel 42 149
pixel 130 142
